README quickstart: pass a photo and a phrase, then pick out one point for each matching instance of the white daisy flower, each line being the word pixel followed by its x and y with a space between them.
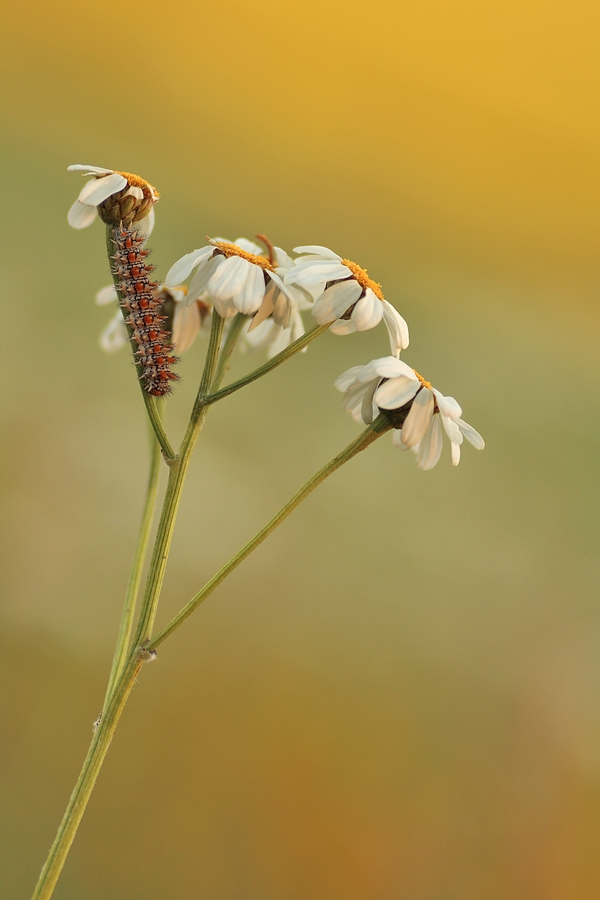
pixel 415 408
pixel 351 301
pixel 117 197
pixel 187 321
pixel 238 278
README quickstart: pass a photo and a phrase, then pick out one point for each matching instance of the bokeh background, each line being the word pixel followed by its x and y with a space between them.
pixel 397 697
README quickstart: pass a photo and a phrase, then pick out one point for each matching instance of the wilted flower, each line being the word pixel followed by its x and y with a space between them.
pixel 351 301
pixel 117 197
pixel 415 408
pixel 237 277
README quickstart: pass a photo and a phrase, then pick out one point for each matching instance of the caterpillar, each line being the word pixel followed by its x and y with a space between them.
pixel 141 305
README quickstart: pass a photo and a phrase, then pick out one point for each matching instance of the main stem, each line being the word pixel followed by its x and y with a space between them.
pixel 379 426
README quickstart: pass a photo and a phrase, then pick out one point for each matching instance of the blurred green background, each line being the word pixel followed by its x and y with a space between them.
pixel 397 696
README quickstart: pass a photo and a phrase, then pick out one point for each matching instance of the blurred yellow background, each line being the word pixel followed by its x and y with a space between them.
pixel 397 696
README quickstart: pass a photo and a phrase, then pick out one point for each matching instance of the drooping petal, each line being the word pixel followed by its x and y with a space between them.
pixel 335 301
pixel 80 216
pixel 430 447
pixel 455 454
pixel 284 307
pixel 448 406
pixel 229 278
pixel 266 307
pixel 250 296
pixel 186 325
pixel 100 189
pixel 396 392
pixel 397 439
pixel 318 250
pixel 452 429
pixel 135 191
pixel 204 273
pixel 342 327
pixel 471 435
pixel 226 308
pixel 392 367
pixel 181 270
pixel 368 311
pixel 114 336
pixel 396 326
pixel 347 378
pixel 419 418
pixel 106 295
pixel 368 410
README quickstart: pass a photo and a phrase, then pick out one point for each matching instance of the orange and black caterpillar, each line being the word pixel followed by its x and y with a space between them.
pixel 141 304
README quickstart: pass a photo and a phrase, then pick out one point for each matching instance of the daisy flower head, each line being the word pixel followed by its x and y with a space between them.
pixel 117 197
pixel 183 321
pixel 237 277
pixel 416 410
pixel 350 300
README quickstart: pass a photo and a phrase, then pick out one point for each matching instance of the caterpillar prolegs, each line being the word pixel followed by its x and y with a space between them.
pixel 141 304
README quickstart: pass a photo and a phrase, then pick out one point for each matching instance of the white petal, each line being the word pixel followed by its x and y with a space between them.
pixel 431 446
pixel 205 271
pixel 368 311
pixel 455 454
pixel 250 296
pixel 396 326
pixel 353 397
pixel 297 329
pixel 284 307
pixel 266 307
pixel 99 189
pixel 471 435
pixel 447 405
pixel 452 429
pixel 280 339
pixel 392 367
pixel 80 216
pixel 114 336
pixel 186 325
pixel 145 226
pixel 106 295
pixel 249 246
pixel 317 272
pixel 91 170
pixel 182 269
pixel 229 278
pixel 320 251
pixel 136 192
pixel 282 260
pixel 343 326
pixel 347 378
pixel 397 439
pixel 335 301
pixel 225 308
pixel 396 392
pixel 419 418
pixel 368 410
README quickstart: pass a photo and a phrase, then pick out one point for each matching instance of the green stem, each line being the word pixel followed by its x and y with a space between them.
pixel 379 426
pixel 228 347
pixel 290 351
pixel 149 401
pixel 135 576
pixel 87 779
pixel 177 472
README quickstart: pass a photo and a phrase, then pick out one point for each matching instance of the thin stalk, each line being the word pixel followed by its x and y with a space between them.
pixel 294 348
pixel 124 683
pixel 87 779
pixel 135 577
pixel 379 426
pixel 149 401
pixel 177 473
pixel 228 347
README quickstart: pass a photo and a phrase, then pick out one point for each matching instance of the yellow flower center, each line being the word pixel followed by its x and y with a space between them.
pixel 136 181
pixel 422 380
pixel 233 250
pixel 363 279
